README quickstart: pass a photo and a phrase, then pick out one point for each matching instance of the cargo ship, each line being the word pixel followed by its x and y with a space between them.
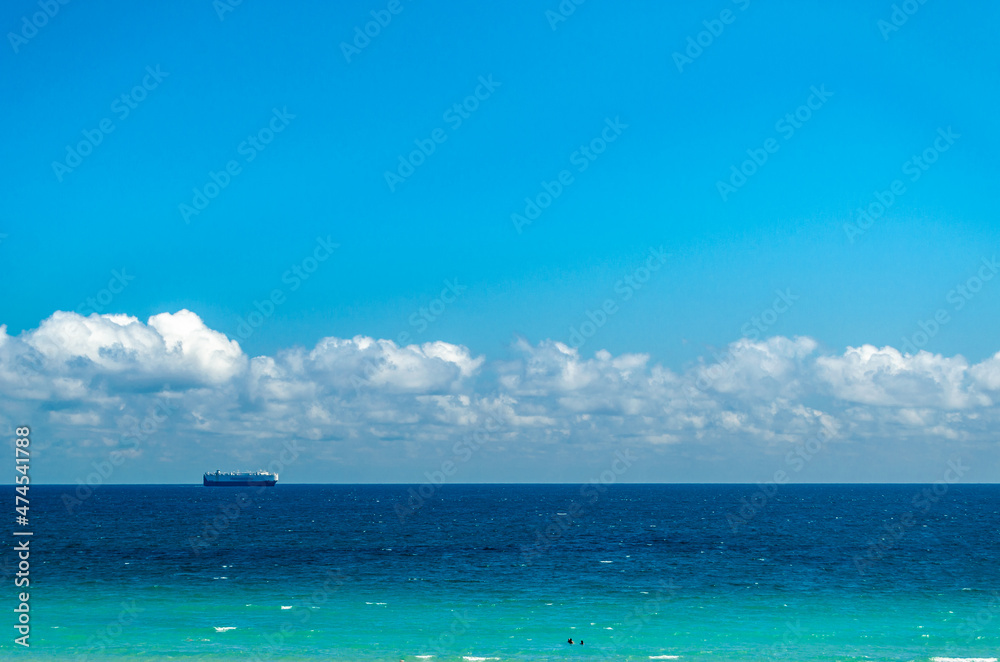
pixel 240 479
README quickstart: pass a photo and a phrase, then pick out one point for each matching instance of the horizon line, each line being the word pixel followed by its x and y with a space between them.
pixel 438 486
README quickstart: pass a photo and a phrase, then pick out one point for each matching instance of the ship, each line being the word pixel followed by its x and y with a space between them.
pixel 240 479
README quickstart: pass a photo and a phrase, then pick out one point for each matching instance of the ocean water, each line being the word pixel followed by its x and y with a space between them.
pixel 510 572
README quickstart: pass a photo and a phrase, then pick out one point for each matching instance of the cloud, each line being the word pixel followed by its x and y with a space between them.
pixel 987 374
pixel 101 382
pixel 886 377
pixel 363 362
pixel 758 369
pixel 71 353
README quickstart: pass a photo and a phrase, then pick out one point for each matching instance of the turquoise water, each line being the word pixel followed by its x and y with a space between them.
pixel 636 572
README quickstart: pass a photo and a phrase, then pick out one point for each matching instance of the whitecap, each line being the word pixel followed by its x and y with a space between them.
pixel 607 561
pixel 478 659
pixel 284 607
pixel 423 657
pixel 225 629
pixel 664 657
pixel 963 659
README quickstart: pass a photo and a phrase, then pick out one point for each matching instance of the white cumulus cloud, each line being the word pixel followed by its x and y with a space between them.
pixel 100 382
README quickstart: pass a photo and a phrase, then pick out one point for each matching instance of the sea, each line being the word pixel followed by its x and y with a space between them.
pixel 470 573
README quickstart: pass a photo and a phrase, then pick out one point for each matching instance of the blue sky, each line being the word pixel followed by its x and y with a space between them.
pixel 888 96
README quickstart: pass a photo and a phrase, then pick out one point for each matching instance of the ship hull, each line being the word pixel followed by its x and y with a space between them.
pixel 238 483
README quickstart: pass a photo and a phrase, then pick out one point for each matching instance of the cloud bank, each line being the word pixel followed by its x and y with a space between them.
pixel 171 388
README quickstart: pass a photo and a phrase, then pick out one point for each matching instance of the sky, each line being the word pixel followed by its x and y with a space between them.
pixel 505 241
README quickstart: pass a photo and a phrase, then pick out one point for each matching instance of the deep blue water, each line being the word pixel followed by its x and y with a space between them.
pixel 346 572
